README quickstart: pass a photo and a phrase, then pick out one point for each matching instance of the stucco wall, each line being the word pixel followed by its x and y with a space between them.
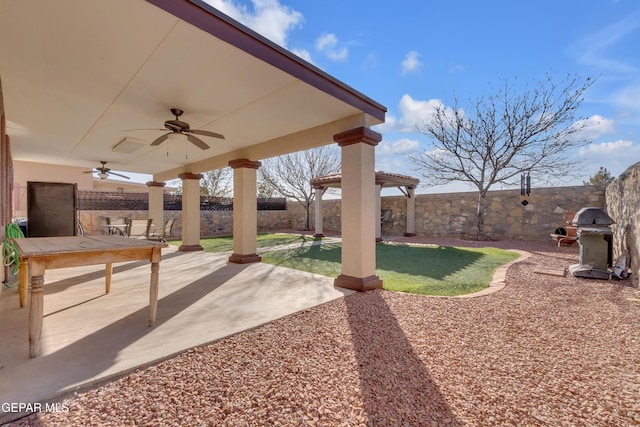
pixel 623 206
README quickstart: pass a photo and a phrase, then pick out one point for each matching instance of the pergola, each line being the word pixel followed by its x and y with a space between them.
pixel 85 81
pixel 406 184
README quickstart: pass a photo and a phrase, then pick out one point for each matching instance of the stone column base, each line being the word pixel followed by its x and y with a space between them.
pixel 319 235
pixel 409 234
pixel 379 239
pixel 244 259
pixel 190 248
pixel 360 284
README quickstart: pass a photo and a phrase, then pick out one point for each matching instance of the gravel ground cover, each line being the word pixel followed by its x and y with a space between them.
pixel 544 350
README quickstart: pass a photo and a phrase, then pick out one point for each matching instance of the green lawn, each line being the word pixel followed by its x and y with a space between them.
pixel 428 270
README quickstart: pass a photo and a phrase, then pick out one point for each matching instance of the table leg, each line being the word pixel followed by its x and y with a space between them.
pixel 108 271
pixel 153 293
pixel 36 307
pixel 23 281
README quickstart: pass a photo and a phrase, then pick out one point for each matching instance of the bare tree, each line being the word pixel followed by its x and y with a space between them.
pixel 289 174
pixel 505 134
pixel 216 183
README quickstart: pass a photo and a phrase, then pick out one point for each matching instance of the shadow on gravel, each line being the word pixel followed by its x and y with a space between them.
pixel 397 388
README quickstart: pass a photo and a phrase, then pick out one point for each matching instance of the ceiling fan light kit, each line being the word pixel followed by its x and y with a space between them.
pixel 178 130
pixel 104 172
pixel 176 136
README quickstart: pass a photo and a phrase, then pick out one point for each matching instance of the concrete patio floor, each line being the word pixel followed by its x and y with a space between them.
pixel 89 336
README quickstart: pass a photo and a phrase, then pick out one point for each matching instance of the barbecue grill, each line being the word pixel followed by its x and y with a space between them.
pixel 595 239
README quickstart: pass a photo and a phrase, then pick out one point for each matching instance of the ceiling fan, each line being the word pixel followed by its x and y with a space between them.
pixel 104 172
pixel 178 127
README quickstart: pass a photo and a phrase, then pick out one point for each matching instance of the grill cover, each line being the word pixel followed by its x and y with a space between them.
pixel 592 216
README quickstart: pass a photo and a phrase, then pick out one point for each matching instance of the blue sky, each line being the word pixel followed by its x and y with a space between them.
pixel 410 54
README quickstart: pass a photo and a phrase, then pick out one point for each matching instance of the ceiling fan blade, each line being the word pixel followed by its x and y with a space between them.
pixel 132 130
pixel 206 133
pixel 92 171
pixel 117 174
pixel 197 142
pixel 160 139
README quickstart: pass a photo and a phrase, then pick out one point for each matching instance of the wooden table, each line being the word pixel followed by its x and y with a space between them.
pixel 38 254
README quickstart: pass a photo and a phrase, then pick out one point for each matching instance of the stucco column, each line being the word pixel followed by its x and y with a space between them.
pixel 156 203
pixel 190 212
pixel 318 213
pixel 358 211
pixel 245 211
pixel 379 212
pixel 411 212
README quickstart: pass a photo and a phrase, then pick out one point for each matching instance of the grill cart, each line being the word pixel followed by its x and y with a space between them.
pixel 595 239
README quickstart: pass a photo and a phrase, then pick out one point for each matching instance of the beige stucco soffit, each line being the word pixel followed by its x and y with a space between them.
pixel 303 140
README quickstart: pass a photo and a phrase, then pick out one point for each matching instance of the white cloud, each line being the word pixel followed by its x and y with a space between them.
pixel 327 44
pixel 620 146
pixel 401 146
pixel 411 63
pixel 615 156
pixel 371 61
pixel 593 127
pixel 268 17
pixel 413 112
pixel 304 54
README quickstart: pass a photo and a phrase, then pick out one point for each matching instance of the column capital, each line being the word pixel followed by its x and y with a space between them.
pixel 189 175
pixel 244 163
pixel 357 135
pixel 155 184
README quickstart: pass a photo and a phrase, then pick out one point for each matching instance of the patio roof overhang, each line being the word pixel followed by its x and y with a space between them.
pixel 78 76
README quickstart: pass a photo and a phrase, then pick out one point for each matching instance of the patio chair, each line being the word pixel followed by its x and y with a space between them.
pixel 139 228
pixel 163 233
pixel 386 222
pixel 118 226
pixel 82 229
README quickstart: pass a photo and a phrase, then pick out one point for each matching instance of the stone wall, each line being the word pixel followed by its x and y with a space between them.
pixel 454 214
pixel 623 206
pixel 450 214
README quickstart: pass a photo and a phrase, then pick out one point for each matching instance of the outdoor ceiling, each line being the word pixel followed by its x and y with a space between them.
pixel 78 75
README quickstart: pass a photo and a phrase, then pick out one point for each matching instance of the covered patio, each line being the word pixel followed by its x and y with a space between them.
pixel 84 82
